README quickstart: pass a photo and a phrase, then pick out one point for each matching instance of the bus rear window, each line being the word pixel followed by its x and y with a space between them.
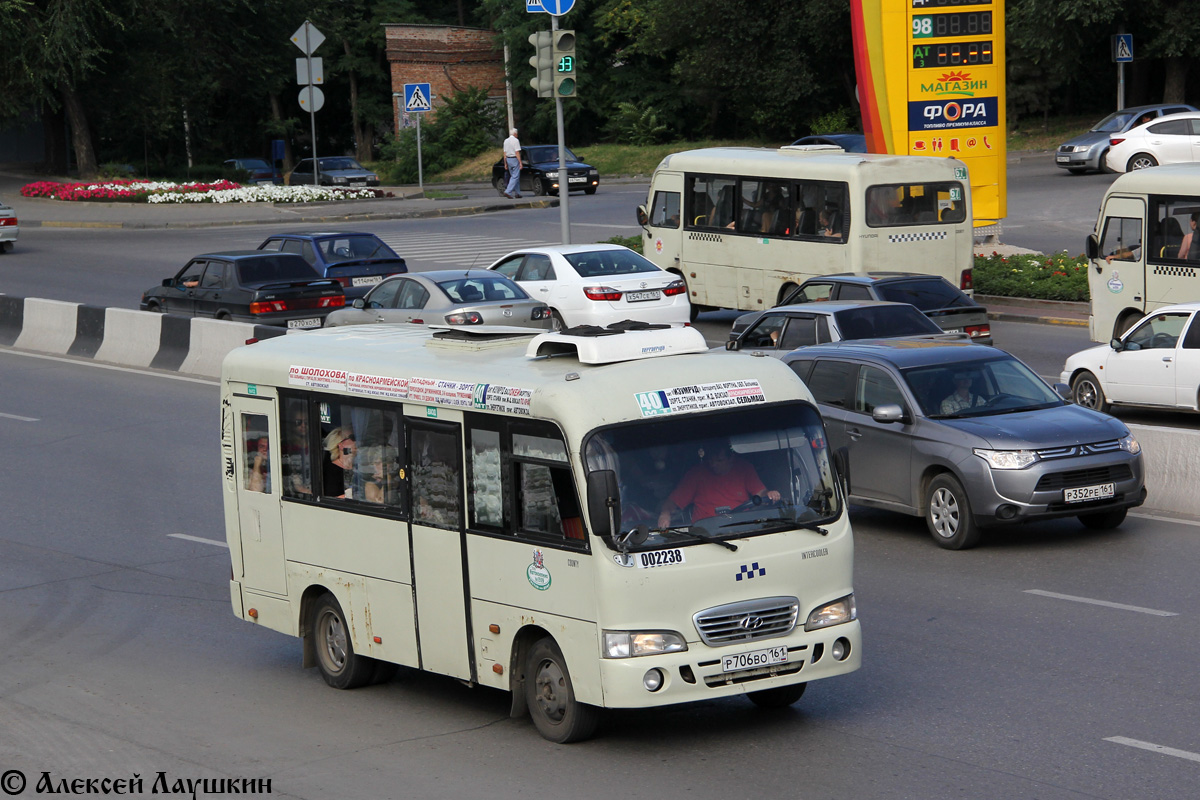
pixel 915 204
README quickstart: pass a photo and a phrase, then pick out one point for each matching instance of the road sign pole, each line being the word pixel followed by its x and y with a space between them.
pixel 1120 86
pixel 564 180
pixel 420 170
pixel 312 112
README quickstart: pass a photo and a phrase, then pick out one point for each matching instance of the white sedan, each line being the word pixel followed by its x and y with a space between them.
pixel 597 284
pixel 9 229
pixel 1172 139
pixel 1156 363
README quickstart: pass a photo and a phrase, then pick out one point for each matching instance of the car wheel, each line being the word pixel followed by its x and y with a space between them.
pixel 557 323
pixel 1141 161
pixel 500 184
pixel 153 307
pixel 591 190
pixel 550 695
pixel 1104 520
pixel 339 665
pixel 1087 392
pixel 779 697
pixel 538 188
pixel 1077 170
pixel 948 514
pixel 224 315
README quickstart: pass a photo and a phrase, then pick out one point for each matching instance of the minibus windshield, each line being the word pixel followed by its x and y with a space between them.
pixel 726 475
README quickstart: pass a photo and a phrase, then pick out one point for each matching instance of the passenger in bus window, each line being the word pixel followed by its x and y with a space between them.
pixel 258 479
pixel 340 450
pixel 1189 248
pixel 721 482
pixel 297 480
pixel 830 223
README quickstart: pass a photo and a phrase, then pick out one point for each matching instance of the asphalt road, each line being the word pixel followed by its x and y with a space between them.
pixel 1051 662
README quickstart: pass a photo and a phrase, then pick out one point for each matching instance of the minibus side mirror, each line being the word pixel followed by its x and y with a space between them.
pixel 642 216
pixel 604 503
pixel 1092 248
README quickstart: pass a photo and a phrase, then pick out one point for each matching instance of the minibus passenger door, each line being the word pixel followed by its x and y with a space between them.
pixel 438 543
pixel 256 449
pixel 1121 261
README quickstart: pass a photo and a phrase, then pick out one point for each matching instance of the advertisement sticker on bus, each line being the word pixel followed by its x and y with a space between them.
pixel 316 377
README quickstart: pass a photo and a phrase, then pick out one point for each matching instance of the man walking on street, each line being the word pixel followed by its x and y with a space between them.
pixel 512 159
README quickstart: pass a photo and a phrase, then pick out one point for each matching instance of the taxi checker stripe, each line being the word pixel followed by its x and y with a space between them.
pixel 749 572
pixel 928 236
pixel 1178 271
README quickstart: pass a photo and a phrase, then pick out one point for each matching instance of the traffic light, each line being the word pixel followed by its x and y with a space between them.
pixel 543 63
pixel 564 63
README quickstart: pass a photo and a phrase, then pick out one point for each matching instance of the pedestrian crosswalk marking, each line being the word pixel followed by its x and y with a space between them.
pixel 447 251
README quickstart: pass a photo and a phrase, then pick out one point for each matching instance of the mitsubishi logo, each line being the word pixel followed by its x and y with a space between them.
pixel 751 623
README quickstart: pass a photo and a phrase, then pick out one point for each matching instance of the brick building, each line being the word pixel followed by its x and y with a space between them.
pixel 447 57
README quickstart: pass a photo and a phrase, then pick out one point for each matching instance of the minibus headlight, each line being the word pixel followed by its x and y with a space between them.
pixel 1007 459
pixel 835 613
pixel 630 644
pixel 1130 444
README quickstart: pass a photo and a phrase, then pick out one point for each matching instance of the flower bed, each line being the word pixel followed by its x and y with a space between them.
pixel 1054 277
pixel 137 191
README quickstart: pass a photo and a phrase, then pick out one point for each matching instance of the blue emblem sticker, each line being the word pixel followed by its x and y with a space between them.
pixel 749 572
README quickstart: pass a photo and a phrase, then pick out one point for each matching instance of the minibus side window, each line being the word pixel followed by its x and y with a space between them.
pixel 547 504
pixel 257 443
pixel 486 487
pixel 915 204
pixel 362 455
pixel 821 211
pixel 1122 239
pixel 665 213
pixel 296 466
pixel 1171 222
pixel 710 201
pixel 436 479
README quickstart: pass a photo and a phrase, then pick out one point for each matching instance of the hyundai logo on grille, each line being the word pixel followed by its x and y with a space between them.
pixel 751 623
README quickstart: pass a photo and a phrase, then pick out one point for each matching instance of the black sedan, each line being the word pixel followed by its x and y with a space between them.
pixel 333 171
pixel 539 172
pixel 248 286
pixel 355 259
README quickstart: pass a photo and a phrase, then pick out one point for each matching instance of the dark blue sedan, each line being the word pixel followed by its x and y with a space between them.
pixel 354 259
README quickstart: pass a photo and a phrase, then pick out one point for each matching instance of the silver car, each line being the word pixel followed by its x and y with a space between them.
pixel 446 297
pixel 967 437
pixel 1087 150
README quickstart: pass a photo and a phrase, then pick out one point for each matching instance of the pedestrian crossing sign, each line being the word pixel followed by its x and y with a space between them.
pixel 1122 46
pixel 417 97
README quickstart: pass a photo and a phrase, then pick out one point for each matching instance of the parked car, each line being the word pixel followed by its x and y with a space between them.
pixel 1173 139
pixel 1087 151
pixel 446 297
pixel 780 330
pixel 257 170
pixel 9 228
pixel 356 260
pixel 539 172
pixel 334 171
pixel 597 284
pixel 949 307
pixel 967 437
pixel 248 286
pixel 850 142
pixel 1156 363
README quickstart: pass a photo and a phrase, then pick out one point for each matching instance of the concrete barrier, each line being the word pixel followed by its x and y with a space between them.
pixel 49 326
pixel 1172 457
pixel 130 337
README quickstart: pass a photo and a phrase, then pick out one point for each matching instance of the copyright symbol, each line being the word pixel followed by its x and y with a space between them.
pixel 12 782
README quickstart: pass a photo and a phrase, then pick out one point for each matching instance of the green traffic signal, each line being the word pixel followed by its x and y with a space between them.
pixel 565 72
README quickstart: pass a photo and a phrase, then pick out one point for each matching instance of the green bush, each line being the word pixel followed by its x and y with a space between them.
pixel 1054 277
pixel 465 126
pixel 634 243
pixel 839 121
pixel 637 126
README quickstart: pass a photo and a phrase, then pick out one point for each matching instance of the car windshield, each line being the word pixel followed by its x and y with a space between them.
pixel 537 155
pixel 871 322
pixel 1114 122
pixel 979 388
pixel 479 290
pixel 345 248
pixel 927 295
pixel 709 484
pixel 279 267
pixel 331 164
pixel 599 263
pixel 251 163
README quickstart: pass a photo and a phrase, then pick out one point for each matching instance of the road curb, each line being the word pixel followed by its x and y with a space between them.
pixel 1007 316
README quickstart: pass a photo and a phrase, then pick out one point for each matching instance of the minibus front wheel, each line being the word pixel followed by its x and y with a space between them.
pixel 340 666
pixel 550 695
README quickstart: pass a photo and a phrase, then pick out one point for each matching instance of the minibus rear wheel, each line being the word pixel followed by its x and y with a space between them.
pixel 550 695
pixel 340 666
pixel 779 697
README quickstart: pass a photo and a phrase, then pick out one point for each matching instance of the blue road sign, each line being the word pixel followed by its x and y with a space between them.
pixel 553 7
pixel 417 97
pixel 1123 48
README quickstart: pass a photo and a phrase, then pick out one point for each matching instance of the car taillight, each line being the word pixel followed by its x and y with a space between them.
pixel 966 282
pixel 267 306
pixel 8 221
pixel 673 288
pixel 302 304
pixel 602 293
pixel 975 331
pixel 464 318
pixel 1115 142
pixel 540 312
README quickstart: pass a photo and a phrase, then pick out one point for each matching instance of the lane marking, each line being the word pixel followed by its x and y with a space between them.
pixel 19 418
pixel 1157 518
pixel 1105 603
pixel 1154 748
pixel 213 542
pixel 88 363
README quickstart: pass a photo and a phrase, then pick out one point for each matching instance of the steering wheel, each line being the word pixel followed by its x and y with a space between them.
pixel 1163 341
pixel 754 501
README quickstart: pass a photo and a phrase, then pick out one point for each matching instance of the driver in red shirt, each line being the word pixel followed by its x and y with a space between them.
pixel 720 482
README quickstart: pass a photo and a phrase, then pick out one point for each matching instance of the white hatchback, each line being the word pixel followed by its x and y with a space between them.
pixel 597 284
pixel 1173 139
pixel 1155 363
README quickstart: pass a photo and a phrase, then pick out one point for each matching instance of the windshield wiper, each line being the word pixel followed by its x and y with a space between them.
pixel 696 537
